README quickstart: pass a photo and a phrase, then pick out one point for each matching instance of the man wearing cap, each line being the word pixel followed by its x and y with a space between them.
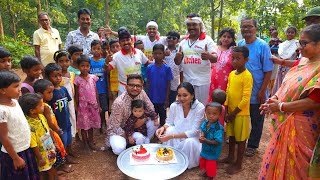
pixel 196 53
pixel 313 16
pixel 46 40
pixel 128 60
pixel 82 36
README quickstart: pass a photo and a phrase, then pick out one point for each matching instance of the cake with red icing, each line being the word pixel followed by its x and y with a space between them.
pixel 139 153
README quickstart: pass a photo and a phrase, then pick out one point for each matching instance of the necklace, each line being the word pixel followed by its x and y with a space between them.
pixel 192 42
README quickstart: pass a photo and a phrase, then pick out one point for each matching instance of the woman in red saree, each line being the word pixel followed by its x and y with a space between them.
pixel 294 149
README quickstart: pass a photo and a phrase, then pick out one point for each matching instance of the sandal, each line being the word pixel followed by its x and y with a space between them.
pixel 250 152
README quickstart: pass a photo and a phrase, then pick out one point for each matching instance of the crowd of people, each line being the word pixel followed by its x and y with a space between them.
pixel 123 85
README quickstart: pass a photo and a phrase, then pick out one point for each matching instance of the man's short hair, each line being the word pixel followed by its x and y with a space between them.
pixel 253 20
pixel 43 14
pixel 134 76
pixel 84 11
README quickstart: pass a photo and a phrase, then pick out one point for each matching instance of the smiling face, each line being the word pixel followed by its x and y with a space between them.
pixel 226 39
pixel 184 97
pixel 152 31
pixel 34 72
pixel 134 87
pixel 84 21
pixel 194 29
pixel 290 33
pixel 248 29
pixel 126 44
pixel 308 48
pixel 44 21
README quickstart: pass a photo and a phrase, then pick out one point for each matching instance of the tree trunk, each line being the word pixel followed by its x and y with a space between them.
pixel 13 22
pixel 212 18
pixel 38 7
pixel 1 28
pixel 107 13
pixel 220 15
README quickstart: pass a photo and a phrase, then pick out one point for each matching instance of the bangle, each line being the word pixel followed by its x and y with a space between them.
pixel 281 106
pixel 172 136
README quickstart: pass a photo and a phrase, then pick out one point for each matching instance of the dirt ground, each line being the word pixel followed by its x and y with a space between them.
pixel 103 165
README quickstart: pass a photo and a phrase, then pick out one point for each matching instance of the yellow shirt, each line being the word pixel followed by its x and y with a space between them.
pixel 114 83
pixel 239 90
pixel 48 42
pixel 40 137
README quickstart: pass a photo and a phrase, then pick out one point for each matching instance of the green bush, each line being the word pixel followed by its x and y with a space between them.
pixel 18 49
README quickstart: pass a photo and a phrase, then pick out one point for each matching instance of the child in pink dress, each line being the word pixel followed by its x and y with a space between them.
pixel 221 69
pixel 87 102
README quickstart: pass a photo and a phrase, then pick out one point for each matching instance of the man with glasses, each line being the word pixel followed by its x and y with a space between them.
pixel 46 40
pixel 83 36
pixel 260 66
pixel 121 110
pixel 128 60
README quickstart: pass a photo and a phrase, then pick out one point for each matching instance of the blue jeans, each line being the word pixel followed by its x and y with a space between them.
pixel 66 137
pixel 256 126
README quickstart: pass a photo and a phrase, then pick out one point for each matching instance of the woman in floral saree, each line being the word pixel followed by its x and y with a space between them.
pixel 294 149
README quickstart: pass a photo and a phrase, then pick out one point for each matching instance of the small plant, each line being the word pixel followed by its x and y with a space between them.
pixel 18 49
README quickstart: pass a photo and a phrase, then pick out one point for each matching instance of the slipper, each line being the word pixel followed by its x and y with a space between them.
pixel 250 152
pixel 59 173
pixel 71 161
pixel 67 168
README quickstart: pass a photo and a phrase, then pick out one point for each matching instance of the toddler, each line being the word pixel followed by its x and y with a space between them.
pixel 211 137
pixel 136 134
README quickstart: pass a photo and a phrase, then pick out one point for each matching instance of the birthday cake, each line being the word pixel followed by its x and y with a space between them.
pixel 139 153
pixel 164 154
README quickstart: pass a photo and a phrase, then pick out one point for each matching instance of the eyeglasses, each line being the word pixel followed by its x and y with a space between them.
pixel 303 43
pixel 138 86
pixel 247 27
pixel 172 38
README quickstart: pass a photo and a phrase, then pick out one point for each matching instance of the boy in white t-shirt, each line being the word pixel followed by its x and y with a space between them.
pixel 128 60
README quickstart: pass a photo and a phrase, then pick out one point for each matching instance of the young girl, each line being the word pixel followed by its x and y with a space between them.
pixel 41 136
pixel 87 102
pixel 16 158
pixel 62 58
pixel 139 135
pixel 238 108
pixel 45 88
pixel 211 137
pixel 33 69
pixel 287 51
pixel 221 69
pixel 74 51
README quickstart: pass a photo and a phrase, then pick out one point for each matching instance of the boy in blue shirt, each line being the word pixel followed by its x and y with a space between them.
pixel 97 68
pixel 211 137
pixel 159 76
pixel 59 105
